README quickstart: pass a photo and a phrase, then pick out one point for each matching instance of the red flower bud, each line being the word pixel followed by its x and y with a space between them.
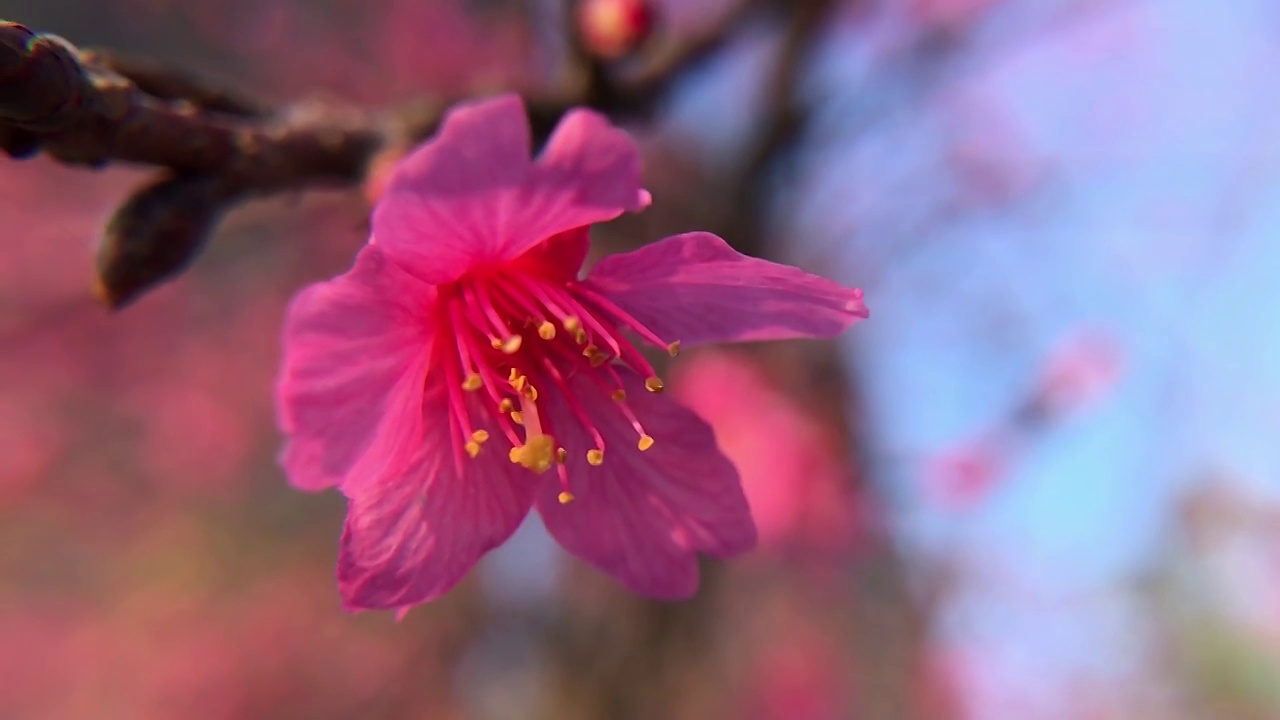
pixel 613 29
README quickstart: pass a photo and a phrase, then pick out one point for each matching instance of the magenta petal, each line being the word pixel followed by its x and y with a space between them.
pixel 446 202
pixel 409 539
pixel 597 169
pixel 472 195
pixel 696 289
pixel 349 393
pixel 642 516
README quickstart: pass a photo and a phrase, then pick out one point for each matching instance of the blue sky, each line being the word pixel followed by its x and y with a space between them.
pixel 1155 218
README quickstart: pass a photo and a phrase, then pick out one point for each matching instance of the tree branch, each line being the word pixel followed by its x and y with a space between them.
pixel 216 147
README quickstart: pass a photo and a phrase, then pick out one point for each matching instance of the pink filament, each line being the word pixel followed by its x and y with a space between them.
pixel 480 309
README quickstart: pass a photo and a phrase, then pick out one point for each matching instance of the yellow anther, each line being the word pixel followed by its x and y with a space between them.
pixel 674 348
pixel 520 383
pixel 580 336
pixel 562 455
pixel 512 344
pixel 480 436
pixel 654 384
pixel 547 331
pixel 473 382
pixel 593 353
pixel 511 376
pixel 566 497
pixel 495 343
pixel 530 392
pixel 505 405
pixel 537 454
pixel 619 395
pixel 645 443
pixel 595 456
pixel 516 417
pixel 473 449
pixel 572 324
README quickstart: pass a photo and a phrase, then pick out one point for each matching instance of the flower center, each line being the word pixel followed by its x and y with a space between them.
pixel 516 333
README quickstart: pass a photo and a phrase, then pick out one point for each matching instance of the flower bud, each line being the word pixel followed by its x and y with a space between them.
pixel 157 233
pixel 613 29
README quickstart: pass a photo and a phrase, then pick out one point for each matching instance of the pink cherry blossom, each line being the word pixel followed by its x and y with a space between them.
pixel 961 476
pixel 1082 367
pixel 461 372
pixel 796 483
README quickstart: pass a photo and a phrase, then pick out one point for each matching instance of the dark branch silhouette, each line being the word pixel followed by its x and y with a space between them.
pixel 216 147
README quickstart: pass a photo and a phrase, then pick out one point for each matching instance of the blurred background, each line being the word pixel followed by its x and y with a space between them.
pixel 1040 482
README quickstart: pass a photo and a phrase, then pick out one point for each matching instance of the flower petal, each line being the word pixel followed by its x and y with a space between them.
pixel 409 539
pixel 696 289
pixel 473 196
pixel 596 167
pixel 642 516
pixel 349 391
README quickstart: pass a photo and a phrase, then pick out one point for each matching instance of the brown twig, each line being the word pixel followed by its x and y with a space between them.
pixel 96 107
pixel 83 113
pixel 165 83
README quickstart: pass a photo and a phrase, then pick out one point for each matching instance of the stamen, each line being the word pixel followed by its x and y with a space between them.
pixel 595 456
pixel 674 348
pixel 473 449
pixel 583 315
pixel 473 382
pixel 516 417
pixel 547 331
pixel 511 345
pixel 468 352
pixel 480 436
pixel 619 395
pixel 563 472
pixel 561 455
pixel 505 405
pixel 537 454
pixel 595 356
pixel 645 443
pixel 574 406
pixel 461 424
pixel 518 382
pixel 621 316
pixel 480 300
pixel 654 384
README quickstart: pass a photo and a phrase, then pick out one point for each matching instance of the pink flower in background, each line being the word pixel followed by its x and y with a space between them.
pixel 791 469
pixel 461 373
pixel 1082 367
pixel 961 476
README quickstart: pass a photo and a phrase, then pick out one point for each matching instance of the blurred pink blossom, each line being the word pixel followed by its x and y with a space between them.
pixel 164 651
pixel 963 475
pixel 791 465
pixel 1079 370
